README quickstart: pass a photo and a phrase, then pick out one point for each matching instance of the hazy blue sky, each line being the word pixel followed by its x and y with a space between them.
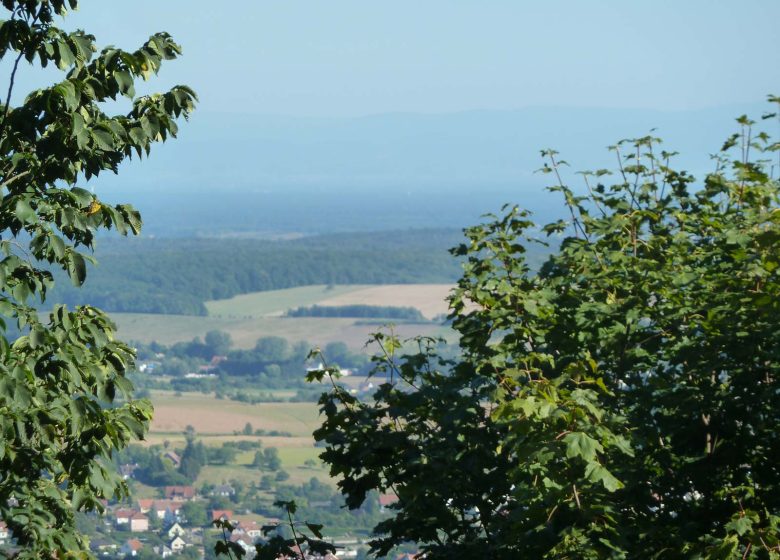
pixel 356 57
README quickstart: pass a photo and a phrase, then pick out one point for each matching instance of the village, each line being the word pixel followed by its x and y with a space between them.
pixel 160 528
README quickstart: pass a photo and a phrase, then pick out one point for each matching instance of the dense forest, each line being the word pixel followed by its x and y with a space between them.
pixel 176 276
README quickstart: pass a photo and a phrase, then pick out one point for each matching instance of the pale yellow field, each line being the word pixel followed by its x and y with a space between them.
pixel 209 415
pixel 430 299
pixel 250 316
pixel 169 329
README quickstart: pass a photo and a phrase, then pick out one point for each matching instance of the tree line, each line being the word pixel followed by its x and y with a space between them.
pixel 362 311
pixel 176 276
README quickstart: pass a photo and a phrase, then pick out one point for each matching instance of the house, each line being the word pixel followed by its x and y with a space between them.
pixel 168 510
pixel 131 547
pixel 145 504
pixel 5 534
pixel 161 509
pixel 179 493
pixel 139 522
pixel 122 516
pixel 127 470
pixel 103 547
pixel 173 457
pixel 244 542
pixel 251 525
pixel 386 500
pixel 177 545
pixel 163 551
pixel 149 366
pixel 225 490
pixel 176 530
pixel 222 514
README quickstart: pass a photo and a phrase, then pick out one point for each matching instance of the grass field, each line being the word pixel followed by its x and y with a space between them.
pixel 251 316
pixel 276 302
pixel 211 416
pixel 169 329
pixel 429 299
pixel 216 420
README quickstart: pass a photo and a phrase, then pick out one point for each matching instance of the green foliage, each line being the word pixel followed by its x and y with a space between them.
pixel 364 311
pixel 65 403
pixel 621 402
pixel 271 460
pixel 193 458
pixel 195 513
pixel 218 343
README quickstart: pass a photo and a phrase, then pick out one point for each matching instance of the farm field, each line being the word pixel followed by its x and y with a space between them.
pixel 429 299
pixel 317 331
pixel 209 415
pixel 216 420
pixel 251 316
pixel 276 302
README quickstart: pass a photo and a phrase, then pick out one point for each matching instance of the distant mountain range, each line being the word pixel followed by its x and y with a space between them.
pixel 234 173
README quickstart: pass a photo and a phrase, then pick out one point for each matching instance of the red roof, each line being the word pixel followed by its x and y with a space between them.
pixel 145 503
pixel 135 544
pixel 162 505
pixel 179 492
pixel 387 499
pixel 221 514
pixel 124 513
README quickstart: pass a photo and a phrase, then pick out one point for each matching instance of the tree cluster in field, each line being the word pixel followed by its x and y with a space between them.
pixel 153 468
pixel 177 276
pixel 407 314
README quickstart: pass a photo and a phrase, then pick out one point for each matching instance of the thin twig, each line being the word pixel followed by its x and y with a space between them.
pixel 14 178
pixel 13 77
pixel 295 535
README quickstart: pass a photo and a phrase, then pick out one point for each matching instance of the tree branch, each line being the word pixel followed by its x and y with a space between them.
pixel 13 77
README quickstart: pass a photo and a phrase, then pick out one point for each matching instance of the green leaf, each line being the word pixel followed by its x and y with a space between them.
pixel 741 525
pixel 125 83
pixel 103 139
pixel 579 444
pixel 24 212
pixel 597 473
pixel 77 268
pixel 67 90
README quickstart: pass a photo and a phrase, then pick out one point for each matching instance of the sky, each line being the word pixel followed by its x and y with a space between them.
pixel 423 97
pixel 345 58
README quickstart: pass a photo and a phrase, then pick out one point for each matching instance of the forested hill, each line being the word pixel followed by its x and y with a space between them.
pixel 177 276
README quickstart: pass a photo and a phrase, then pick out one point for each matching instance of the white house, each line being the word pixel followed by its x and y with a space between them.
pixel 177 545
pixel 5 534
pixel 176 530
pixel 139 522
pixel 163 551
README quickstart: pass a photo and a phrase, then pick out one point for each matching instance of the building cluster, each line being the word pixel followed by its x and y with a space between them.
pixel 159 525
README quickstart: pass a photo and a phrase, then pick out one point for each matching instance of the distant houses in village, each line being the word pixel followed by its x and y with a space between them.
pixel 158 526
